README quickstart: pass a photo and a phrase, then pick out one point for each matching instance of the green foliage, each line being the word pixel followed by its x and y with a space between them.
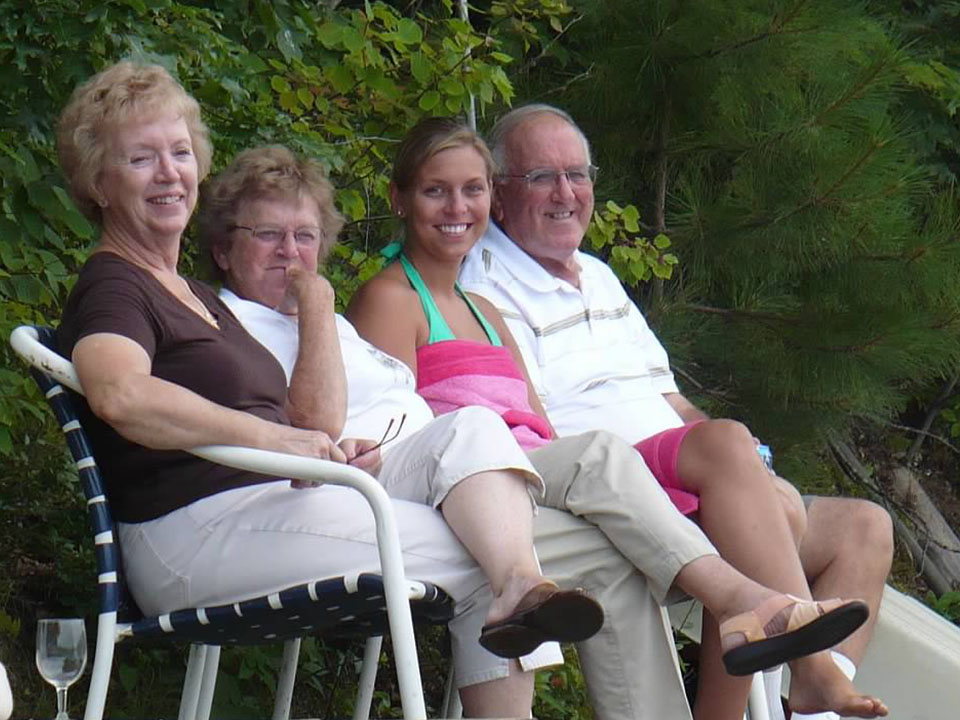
pixel 932 79
pixel 559 693
pixel 947 605
pixel 340 84
pixel 614 232
pixel 951 416
pixel 821 271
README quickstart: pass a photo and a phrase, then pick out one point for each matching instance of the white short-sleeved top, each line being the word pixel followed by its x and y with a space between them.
pixel 380 388
pixel 591 356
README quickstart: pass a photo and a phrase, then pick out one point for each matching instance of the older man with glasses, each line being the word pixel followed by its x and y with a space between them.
pixel 596 365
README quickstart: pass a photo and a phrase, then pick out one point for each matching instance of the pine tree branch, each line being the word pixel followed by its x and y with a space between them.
pixel 533 61
pixel 777 27
pixel 812 202
pixel 935 407
pixel 921 432
pixel 572 81
pixel 700 387
pixel 731 312
pixel 949 321
pixel 860 347
pixel 818 119
pixel 852 93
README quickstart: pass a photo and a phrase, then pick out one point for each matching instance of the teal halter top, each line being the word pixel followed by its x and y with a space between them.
pixel 439 330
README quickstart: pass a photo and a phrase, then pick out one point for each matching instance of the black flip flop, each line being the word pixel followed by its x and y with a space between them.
pixel 564 616
pixel 820 634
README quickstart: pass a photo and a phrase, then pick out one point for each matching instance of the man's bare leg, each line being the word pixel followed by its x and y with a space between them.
pixel 745 516
pixel 847 549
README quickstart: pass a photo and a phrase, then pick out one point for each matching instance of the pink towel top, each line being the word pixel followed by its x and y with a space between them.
pixel 452 374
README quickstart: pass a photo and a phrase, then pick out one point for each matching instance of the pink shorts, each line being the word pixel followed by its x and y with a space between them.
pixel 660 453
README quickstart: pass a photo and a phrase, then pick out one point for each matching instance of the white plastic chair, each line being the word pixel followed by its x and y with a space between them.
pixel 201 625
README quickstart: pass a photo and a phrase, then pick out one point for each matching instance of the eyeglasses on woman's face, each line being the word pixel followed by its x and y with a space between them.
pixel 274 234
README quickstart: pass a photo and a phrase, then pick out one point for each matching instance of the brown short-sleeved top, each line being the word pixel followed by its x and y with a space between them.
pixel 226 366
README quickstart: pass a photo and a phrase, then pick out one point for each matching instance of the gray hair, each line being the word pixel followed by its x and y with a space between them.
pixel 512 120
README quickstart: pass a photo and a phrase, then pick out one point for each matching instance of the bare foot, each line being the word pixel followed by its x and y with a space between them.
pixel 818 685
pixel 519 593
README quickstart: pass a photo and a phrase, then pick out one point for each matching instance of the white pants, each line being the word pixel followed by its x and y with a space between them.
pixel 202 555
pixel 256 540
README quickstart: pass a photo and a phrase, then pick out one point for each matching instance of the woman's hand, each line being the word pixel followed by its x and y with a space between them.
pixel 308 290
pixel 309 443
pixel 363 454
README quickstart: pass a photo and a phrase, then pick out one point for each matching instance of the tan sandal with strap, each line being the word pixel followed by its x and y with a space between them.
pixel 773 636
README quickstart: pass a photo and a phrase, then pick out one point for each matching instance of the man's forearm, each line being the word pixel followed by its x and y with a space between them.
pixel 687 411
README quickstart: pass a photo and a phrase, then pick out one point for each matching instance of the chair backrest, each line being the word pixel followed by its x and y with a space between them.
pixel 63 402
pixel 348 612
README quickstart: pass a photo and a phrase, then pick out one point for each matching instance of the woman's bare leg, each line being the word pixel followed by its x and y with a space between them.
pixel 492 515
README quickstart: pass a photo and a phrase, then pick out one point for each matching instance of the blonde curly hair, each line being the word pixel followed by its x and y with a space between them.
pixel 113 96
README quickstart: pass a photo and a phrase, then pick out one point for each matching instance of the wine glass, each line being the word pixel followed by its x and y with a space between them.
pixel 61 656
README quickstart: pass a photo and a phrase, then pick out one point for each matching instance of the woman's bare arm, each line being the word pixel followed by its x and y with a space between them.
pixel 317 396
pixel 115 374
pixel 386 312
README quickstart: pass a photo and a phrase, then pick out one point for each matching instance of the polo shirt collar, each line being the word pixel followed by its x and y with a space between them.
pixel 522 266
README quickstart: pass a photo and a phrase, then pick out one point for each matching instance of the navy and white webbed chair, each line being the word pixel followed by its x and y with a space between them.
pixel 358 605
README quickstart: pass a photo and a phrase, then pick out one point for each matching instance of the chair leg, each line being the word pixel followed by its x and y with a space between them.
pixel 209 682
pixel 452 708
pixel 102 663
pixel 368 677
pixel 190 694
pixel 757 702
pixel 285 681
pixel 396 590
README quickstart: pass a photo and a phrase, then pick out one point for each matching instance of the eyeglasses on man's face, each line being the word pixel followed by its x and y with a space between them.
pixel 274 234
pixel 548 177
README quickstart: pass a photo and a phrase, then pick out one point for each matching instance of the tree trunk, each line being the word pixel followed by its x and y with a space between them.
pixel 933 544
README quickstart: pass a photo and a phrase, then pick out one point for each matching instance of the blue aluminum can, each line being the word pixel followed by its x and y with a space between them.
pixel 766 454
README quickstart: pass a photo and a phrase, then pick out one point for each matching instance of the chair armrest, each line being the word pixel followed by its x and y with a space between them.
pixel 397 590
pixel 26 343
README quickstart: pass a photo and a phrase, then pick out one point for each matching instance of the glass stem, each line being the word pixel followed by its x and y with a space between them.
pixel 62 704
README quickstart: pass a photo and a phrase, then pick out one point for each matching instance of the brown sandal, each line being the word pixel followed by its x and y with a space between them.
pixel 544 614
pixel 774 637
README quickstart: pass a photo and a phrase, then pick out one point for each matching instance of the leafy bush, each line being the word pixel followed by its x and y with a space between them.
pixel 947 605
pixel 340 81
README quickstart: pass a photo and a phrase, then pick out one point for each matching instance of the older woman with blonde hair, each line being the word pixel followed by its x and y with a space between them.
pixel 166 366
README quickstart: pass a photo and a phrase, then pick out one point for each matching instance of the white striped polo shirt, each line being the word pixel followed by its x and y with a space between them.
pixel 591 356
